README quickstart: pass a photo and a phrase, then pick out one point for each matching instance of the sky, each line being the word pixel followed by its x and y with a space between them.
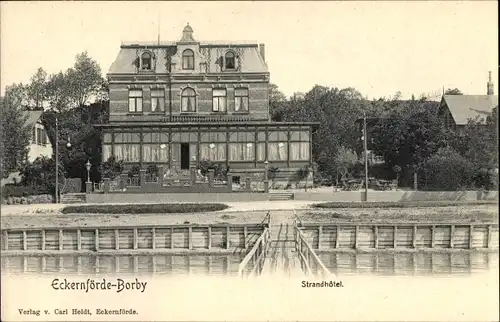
pixel 378 48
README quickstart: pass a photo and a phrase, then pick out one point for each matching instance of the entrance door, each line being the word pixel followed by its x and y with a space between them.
pixel 185 156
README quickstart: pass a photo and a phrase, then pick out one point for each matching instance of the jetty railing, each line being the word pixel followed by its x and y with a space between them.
pixel 310 262
pixel 253 262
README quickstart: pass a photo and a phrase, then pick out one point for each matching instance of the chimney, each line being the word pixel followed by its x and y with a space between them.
pixel 490 85
pixel 262 49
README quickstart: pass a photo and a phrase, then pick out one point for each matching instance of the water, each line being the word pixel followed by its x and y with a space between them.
pixel 341 264
pixel 137 265
pixel 404 264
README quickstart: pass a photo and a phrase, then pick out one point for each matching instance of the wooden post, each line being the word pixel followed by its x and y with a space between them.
pixel 395 237
pixel 25 241
pixel 97 263
pixel 25 264
pixel 190 237
pixel 489 245
pixel 228 236
pixel 245 234
pixel 6 240
pixel 320 232
pixel 375 233
pixel 153 238
pixel 78 240
pixel 153 260
pixel 136 264
pixel 43 239
pixel 117 264
pixel 97 244
pixel 60 261
pixel 135 239
pixel 117 239
pixel 209 265
pixel 172 237
pixel 452 232
pixel 209 237
pixel 471 239
pixel 44 263
pixel 337 238
pixel 414 241
pixel 61 239
pixel 356 233
pixel 433 236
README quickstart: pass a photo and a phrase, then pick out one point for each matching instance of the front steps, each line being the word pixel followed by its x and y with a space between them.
pixel 73 198
pixel 275 196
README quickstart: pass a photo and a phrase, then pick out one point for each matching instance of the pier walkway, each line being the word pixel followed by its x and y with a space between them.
pixel 282 250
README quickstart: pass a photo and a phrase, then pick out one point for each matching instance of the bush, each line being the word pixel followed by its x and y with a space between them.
pixel 10 190
pixel 28 200
pixel 447 170
pixel 144 208
pixel 401 204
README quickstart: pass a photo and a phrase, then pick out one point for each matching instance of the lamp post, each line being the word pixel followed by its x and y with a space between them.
pixel 365 147
pixel 266 176
pixel 88 166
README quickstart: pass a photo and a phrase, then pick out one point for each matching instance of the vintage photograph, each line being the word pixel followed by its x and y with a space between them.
pixel 345 149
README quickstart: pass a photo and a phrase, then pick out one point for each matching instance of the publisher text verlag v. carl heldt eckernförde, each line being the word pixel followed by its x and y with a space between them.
pixel 102 284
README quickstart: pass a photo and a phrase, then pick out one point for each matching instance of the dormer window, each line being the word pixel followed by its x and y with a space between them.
pixel 229 60
pixel 146 61
pixel 188 59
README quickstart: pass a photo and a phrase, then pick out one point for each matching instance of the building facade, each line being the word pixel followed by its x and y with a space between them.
pixel 177 103
pixel 39 145
pixel 457 110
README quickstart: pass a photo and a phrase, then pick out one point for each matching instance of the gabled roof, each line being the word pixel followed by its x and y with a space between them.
pixel 33 117
pixel 465 107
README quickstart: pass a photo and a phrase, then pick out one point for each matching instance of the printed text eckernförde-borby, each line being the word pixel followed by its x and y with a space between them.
pixel 99 285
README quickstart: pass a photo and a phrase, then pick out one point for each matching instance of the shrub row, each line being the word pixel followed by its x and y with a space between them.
pixel 402 204
pixel 28 200
pixel 144 208
pixel 10 190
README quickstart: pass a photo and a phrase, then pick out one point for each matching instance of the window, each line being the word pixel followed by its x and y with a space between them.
pixel 127 147
pixel 229 60
pixel 188 100
pixel 39 136
pixel 157 100
pixel 299 146
pixel 44 137
pixel 146 61
pixel 219 100
pixel 155 147
pixel 241 99
pixel 33 136
pixel 188 59
pixel 106 152
pixel 277 146
pixel 242 146
pixel 135 100
pixel 213 146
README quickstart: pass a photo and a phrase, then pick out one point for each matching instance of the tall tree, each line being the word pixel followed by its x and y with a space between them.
pixel 453 91
pixel 84 80
pixel 276 102
pixel 37 90
pixel 14 132
pixel 410 135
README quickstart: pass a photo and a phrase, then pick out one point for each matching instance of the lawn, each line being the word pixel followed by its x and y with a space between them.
pixel 402 204
pixel 144 208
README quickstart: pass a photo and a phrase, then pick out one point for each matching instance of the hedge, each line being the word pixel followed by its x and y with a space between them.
pixel 402 204
pixel 10 190
pixel 144 208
